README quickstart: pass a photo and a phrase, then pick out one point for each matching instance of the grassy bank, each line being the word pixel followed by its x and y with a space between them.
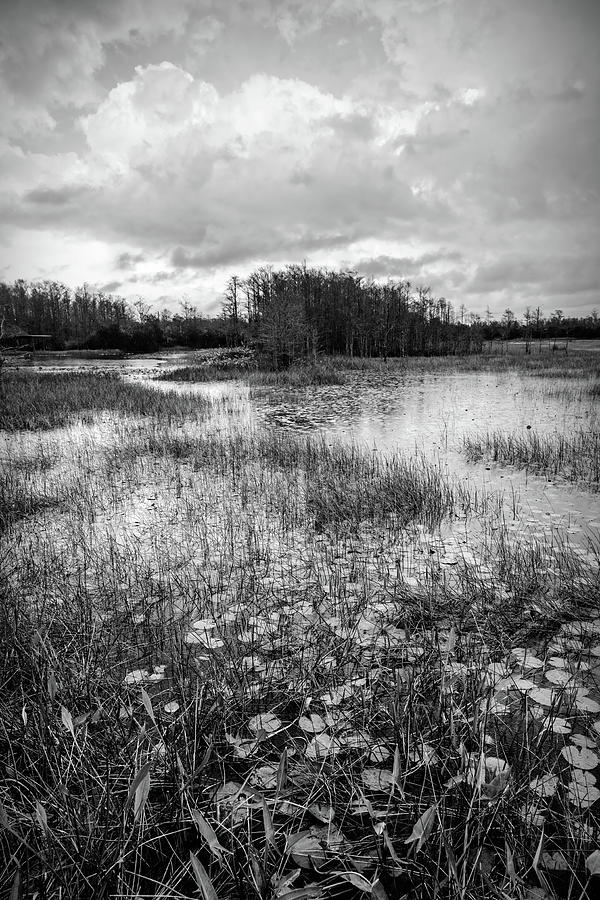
pixel 577 364
pixel 255 666
pixel 43 400
pixel 574 457
pixel 296 376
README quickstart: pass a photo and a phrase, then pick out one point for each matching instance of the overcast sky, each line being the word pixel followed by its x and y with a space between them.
pixel 153 148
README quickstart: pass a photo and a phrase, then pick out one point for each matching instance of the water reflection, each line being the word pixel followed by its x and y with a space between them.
pixel 431 413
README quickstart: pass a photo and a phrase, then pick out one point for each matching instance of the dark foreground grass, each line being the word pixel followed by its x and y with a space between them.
pixel 574 457
pixel 44 400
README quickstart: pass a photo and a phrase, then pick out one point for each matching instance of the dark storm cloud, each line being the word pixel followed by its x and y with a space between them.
pixel 128 260
pixel 111 287
pixel 48 196
pixel 404 266
pixel 269 247
pixel 549 276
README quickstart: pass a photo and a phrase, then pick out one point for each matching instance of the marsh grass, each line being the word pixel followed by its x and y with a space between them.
pixel 579 363
pixel 366 609
pixel 43 400
pixel 297 376
pixel 574 457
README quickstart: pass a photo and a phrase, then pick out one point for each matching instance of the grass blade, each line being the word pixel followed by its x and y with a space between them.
pixel 202 879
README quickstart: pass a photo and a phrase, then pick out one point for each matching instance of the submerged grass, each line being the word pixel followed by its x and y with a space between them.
pixel 574 457
pixel 246 665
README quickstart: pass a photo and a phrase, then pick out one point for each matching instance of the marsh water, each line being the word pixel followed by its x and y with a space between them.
pixel 388 411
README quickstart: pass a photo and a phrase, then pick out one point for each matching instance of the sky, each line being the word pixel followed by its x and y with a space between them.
pixel 152 149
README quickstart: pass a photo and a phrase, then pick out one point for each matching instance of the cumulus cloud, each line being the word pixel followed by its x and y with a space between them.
pixel 276 165
pixel 193 138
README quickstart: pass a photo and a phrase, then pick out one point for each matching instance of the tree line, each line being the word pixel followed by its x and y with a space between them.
pixel 301 311
pixel 93 320
pixel 286 313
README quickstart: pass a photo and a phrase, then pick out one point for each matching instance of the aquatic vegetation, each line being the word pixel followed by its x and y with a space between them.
pixel 246 663
pixel 297 376
pixel 574 457
pixel 43 400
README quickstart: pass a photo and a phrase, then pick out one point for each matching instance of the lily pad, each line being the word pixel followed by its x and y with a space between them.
pixel 544 785
pixel 378 779
pixel 267 722
pixel 580 758
pixel 312 723
pixel 586 704
pixel 321 746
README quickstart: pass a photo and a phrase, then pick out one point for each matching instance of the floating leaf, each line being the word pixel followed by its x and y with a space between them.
pixel 558 662
pixel 581 740
pixel 586 704
pixel 312 723
pixel 245 749
pixel 312 846
pixel 531 661
pixel 267 722
pixel 558 676
pixel 228 792
pixel 555 861
pixel 337 696
pixel 137 676
pixel 580 758
pixel 582 795
pixel 583 776
pixel 355 740
pixel 264 777
pixel 544 785
pixel 544 696
pixel 322 745
pixel 322 811
pixel 531 816
pixel 423 754
pixel 495 765
pixel 559 725
pixel 592 863
pixel 378 779
pixel 379 753
pixel 204 625
pixel 285 808
pixel 513 683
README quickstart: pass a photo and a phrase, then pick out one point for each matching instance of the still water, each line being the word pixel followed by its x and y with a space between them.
pixel 429 413
pixel 389 412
